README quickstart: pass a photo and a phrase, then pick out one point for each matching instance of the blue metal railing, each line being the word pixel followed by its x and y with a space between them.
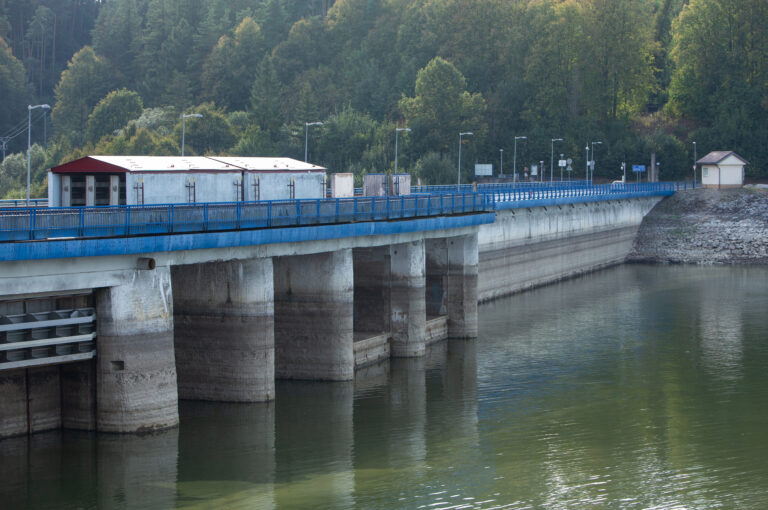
pixel 118 221
pixel 24 224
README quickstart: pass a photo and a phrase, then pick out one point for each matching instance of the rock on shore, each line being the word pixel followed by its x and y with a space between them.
pixel 706 226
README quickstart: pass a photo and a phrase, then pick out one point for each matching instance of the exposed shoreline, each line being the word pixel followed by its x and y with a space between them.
pixel 706 226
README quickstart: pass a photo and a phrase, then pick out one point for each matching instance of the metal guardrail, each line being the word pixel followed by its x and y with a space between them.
pixel 24 224
pixel 22 202
pixel 120 221
pixel 34 339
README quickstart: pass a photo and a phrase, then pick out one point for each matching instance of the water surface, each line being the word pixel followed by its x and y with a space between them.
pixel 634 387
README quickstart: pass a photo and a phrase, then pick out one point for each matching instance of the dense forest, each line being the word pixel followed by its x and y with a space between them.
pixel 640 76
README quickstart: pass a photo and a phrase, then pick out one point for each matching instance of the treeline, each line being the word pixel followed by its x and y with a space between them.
pixel 640 76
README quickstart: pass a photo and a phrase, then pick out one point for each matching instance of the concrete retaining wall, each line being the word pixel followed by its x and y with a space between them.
pixel 525 248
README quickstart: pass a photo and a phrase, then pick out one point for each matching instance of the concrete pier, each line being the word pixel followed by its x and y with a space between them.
pixel 135 369
pixel 224 330
pixel 408 313
pixel 451 265
pixel 314 316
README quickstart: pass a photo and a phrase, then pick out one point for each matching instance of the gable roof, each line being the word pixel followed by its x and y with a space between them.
pixel 715 157
pixel 127 164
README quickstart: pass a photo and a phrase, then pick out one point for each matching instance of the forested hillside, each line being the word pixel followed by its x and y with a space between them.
pixel 640 76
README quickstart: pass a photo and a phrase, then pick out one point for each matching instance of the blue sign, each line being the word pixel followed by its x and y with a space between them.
pixel 638 168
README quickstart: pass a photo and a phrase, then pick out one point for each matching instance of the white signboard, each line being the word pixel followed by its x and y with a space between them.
pixel 534 169
pixel 483 169
pixel 562 163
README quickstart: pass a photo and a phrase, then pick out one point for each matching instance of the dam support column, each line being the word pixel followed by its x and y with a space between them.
pixel 135 369
pixel 224 319
pixel 314 316
pixel 452 283
pixel 408 313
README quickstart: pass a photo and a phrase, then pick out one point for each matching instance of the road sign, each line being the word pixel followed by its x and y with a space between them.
pixel 483 169
pixel 638 168
pixel 562 163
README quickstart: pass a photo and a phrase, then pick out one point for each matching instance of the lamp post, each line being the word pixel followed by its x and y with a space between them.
pixel 593 160
pixel 694 164
pixel 587 164
pixel 306 135
pixel 463 133
pixel 501 163
pixel 29 140
pixel 183 128
pixel 397 132
pixel 514 158
pixel 552 158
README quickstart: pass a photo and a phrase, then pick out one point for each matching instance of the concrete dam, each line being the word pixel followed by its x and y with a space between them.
pixel 107 333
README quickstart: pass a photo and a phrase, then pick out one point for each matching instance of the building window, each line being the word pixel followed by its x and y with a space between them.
pixel 706 172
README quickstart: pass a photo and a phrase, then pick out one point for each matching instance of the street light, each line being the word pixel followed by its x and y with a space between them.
pixel 397 132
pixel 552 158
pixel 464 133
pixel 184 125
pixel 694 164
pixel 586 177
pixel 514 158
pixel 593 159
pixel 501 163
pixel 29 140
pixel 306 135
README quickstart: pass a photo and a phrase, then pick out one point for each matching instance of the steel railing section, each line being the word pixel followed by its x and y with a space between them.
pixel 22 202
pixel 44 338
pixel 25 224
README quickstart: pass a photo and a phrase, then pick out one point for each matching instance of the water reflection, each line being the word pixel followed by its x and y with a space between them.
pixel 637 387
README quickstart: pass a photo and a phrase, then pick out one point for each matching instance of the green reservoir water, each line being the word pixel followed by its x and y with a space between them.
pixel 634 387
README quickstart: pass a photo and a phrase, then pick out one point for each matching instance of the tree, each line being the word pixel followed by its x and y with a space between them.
pixel 227 74
pixel 13 90
pixel 210 134
pixel 112 113
pixel 82 84
pixel 442 107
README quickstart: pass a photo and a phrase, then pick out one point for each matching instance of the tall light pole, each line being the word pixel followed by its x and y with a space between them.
pixel 514 158
pixel 463 133
pixel 306 135
pixel 397 132
pixel 552 158
pixel 586 177
pixel 694 164
pixel 501 163
pixel 29 140
pixel 184 126
pixel 593 159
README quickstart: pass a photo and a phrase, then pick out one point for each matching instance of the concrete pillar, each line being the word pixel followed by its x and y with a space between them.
pixel 452 283
pixel 13 403
pixel 114 190
pixel 407 305
pixel 44 395
pixel 66 191
pixel 224 318
pixel 313 316
pixel 78 395
pixel 90 190
pixel 135 369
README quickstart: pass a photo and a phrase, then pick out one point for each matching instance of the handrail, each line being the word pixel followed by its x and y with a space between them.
pixel 25 224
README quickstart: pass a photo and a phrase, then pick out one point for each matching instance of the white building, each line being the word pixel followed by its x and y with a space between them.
pixel 136 180
pixel 722 169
